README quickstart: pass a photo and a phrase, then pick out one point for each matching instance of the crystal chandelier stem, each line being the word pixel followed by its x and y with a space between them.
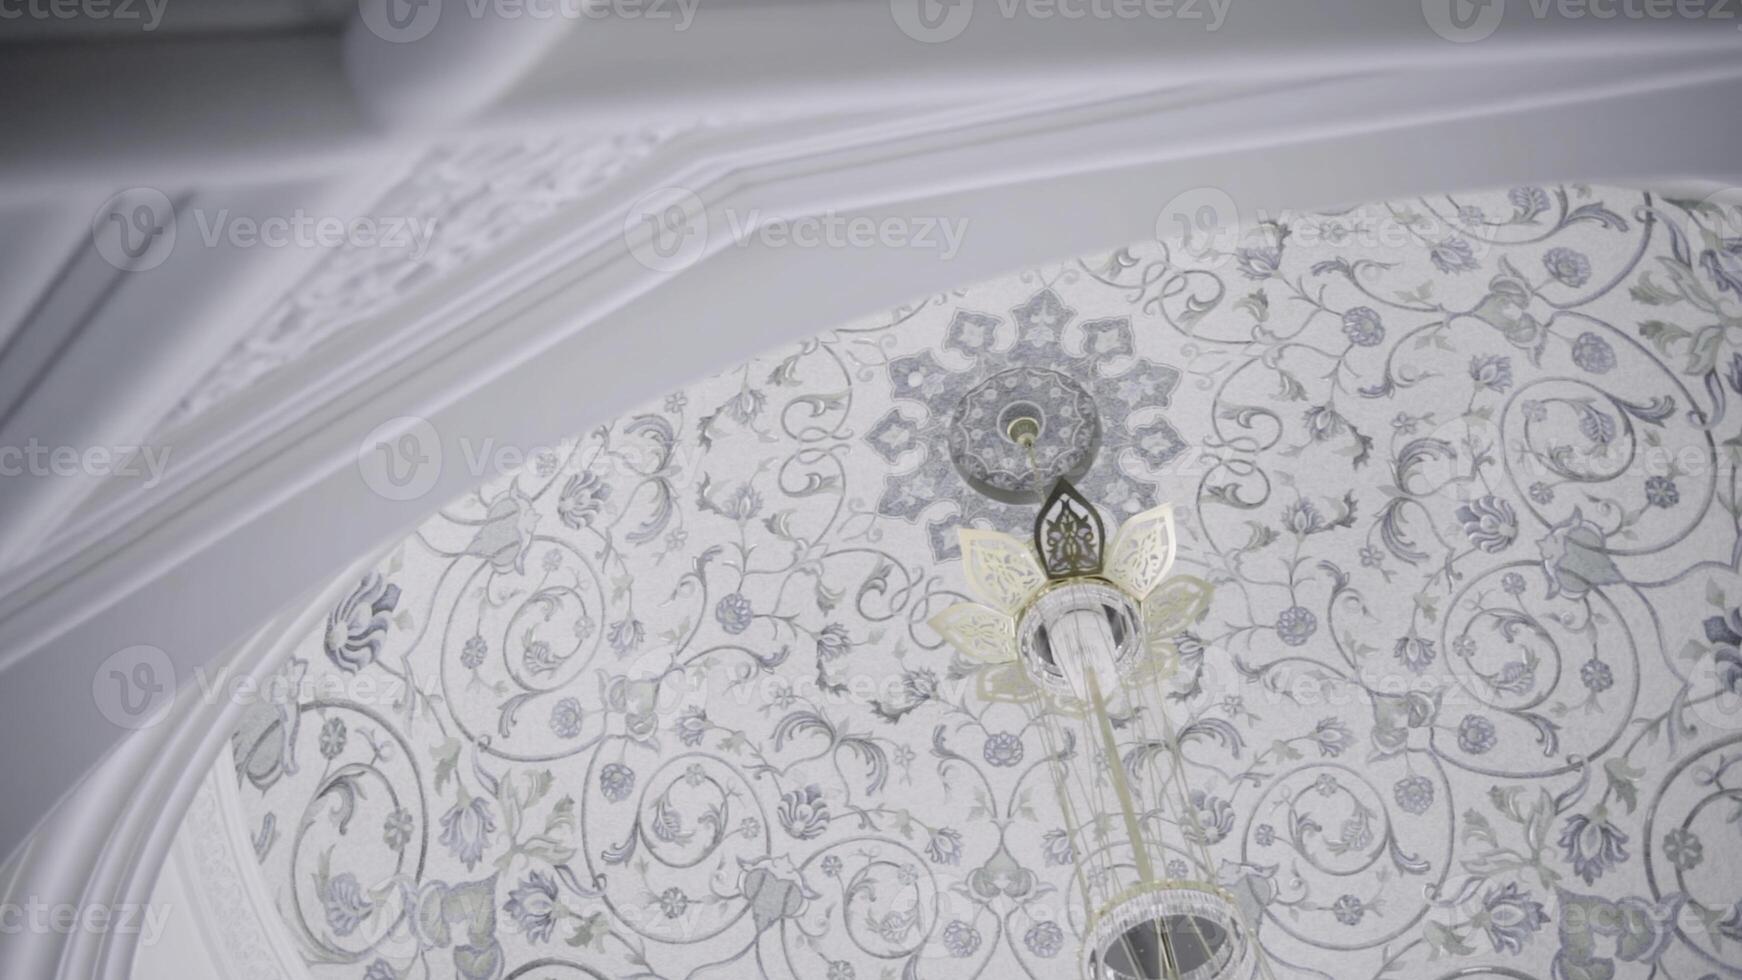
pixel 1197 834
pixel 1087 623
pixel 1079 866
pixel 1128 808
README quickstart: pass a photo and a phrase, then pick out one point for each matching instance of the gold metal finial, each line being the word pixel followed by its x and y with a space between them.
pixel 1023 430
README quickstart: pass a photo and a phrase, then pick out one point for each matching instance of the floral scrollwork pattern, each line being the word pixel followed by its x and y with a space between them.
pixel 1454 646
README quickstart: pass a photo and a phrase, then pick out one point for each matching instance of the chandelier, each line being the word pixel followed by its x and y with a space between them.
pixel 1080 632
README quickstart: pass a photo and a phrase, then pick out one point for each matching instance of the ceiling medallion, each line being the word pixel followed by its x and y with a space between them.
pixel 1100 407
pixel 1022 430
pixel 1081 632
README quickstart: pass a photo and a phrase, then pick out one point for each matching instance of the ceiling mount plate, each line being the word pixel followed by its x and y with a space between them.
pixel 1015 434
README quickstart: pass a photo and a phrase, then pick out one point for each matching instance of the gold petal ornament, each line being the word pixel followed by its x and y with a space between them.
pixel 1001 569
pixel 1143 551
pixel 981 634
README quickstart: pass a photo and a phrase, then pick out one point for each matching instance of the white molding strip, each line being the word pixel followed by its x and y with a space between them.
pixel 245 932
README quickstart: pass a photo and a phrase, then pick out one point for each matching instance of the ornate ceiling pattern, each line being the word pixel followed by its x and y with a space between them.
pixel 1461 472
pixel 458 204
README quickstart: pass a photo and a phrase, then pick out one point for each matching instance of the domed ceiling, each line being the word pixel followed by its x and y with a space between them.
pixel 661 703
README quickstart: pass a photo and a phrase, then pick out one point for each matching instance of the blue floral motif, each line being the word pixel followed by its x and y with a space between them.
pixel 1660 491
pixel 1492 371
pixel 1057 849
pixel 691 726
pixel 565 718
pixel 534 906
pixel 1593 845
pixel 1510 917
pixel 1725 635
pixel 1214 818
pixel 1475 734
pixel 358 626
pixel 1332 737
pixel 1593 353
pixel 1414 794
pixel 1362 326
pixel 1527 202
pixel 734 613
pixel 945 846
pixel 473 652
pixel 1259 262
pixel 1415 652
pixel 333 738
pixel 466 830
pixel 1003 749
pixel 961 939
pixel 1296 625
pixel 582 500
pixel 616 782
pixel 1489 522
pixel 833 642
pixel 1044 939
pixel 1683 848
pixel 626 636
pixel 804 813
pixel 1453 255
pixel 1568 266
pixel 346 905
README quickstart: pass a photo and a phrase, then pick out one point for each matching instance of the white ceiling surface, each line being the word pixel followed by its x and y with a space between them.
pixel 1458 493
pixel 141 22
pixel 761 106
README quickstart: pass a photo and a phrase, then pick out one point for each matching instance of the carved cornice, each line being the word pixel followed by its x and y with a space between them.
pixel 216 859
pixel 469 198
